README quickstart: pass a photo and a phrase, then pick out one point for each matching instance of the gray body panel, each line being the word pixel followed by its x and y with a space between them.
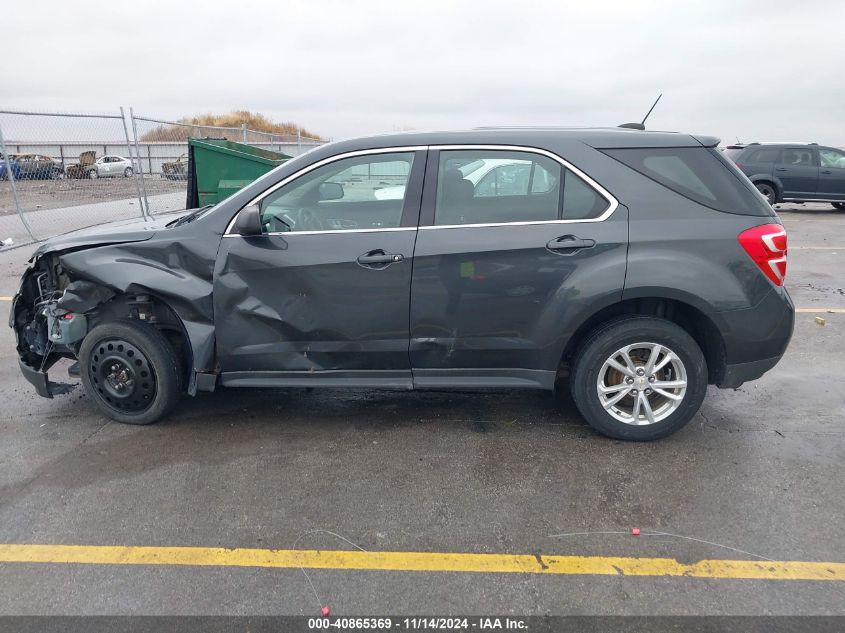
pixel 481 307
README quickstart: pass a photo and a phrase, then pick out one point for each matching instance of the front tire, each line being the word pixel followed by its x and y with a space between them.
pixel 130 371
pixel 839 205
pixel 639 378
pixel 93 174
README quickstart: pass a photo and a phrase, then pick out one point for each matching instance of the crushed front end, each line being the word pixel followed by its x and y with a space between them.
pixel 49 320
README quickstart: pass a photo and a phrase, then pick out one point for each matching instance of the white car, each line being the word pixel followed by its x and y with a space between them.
pixel 110 167
pixel 489 177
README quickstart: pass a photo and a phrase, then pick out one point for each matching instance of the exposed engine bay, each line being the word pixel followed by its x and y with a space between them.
pixel 54 311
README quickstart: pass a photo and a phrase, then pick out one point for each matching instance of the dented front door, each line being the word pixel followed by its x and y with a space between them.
pixel 325 293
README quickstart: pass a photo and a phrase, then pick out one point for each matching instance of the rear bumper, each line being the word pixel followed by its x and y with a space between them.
pixel 756 338
pixel 735 375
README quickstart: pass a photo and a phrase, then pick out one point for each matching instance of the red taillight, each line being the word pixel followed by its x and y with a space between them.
pixel 739 166
pixel 766 245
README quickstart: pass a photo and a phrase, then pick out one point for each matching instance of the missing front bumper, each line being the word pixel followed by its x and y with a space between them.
pixel 38 379
pixel 41 382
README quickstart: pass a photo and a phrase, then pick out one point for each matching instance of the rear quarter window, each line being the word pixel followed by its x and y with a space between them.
pixel 766 155
pixel 698 173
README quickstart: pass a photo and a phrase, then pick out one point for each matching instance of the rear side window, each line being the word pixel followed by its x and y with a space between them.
pixel 800 156
pixel 699 174
pixel 766 155
pixel 496 186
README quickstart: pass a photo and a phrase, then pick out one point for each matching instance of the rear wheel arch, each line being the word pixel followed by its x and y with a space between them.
pixel 690 318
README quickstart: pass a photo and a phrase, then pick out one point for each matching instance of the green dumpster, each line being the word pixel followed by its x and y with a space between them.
pixel 219 168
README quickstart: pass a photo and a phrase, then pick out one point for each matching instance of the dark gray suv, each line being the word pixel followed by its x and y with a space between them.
pixel 640 266
pixel 792 172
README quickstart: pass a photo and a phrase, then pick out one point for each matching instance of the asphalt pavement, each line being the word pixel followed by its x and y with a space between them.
pixel 756 476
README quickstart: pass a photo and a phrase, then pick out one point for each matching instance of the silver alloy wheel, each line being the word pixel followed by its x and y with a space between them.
pixel 642 383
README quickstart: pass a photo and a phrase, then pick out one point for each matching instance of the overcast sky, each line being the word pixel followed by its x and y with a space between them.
pixel 767 70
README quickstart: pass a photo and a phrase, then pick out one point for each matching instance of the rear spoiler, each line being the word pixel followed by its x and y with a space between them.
pixel 707 141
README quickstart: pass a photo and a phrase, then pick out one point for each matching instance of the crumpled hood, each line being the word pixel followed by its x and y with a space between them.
pixel 122 231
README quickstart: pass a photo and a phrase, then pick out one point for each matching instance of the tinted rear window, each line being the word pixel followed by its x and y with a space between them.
pixel 700 174
pixel 765 155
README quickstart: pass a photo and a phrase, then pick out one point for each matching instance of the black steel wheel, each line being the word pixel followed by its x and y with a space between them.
pixel 131 371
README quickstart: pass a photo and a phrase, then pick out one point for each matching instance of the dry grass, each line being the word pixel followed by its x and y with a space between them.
pixel 202 125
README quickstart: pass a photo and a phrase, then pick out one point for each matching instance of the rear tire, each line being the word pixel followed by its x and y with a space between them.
pixel 768 190
pixel 130 371
pixel 839 205
pixel 127 173
pixel 679 362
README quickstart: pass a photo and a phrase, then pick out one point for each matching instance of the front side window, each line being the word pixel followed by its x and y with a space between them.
pixel 362 192
pixel 832 158
pixel 500 186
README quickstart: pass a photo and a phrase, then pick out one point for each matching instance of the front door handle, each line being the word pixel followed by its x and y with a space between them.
pixel 781 169
pixel 379 258
pixel 569 244
pixel 827 171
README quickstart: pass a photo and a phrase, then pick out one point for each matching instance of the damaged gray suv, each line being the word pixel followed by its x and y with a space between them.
pixel 639 266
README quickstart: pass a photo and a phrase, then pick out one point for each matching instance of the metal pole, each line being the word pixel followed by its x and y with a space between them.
pixel 138 159
pixel 11 178
pixel 243 131
pixel 298 142
pixel 146 206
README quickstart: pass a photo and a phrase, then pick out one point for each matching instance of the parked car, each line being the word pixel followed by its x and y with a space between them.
pixel 111 167
pixel 793 172
pixel 176 170
pixel 13 164
pixel 33 167
pixel 489 177
pixel 642 265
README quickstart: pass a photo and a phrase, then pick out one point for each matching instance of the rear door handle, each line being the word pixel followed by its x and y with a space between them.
pixel 569 244
pixel 379 258
pixel 781 169
pixel 827 171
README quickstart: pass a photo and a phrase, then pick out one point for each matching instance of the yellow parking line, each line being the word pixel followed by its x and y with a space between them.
pixel 419 561
pixel 6 298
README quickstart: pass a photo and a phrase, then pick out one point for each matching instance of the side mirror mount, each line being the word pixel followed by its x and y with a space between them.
pixel 331 191
pixel 248 222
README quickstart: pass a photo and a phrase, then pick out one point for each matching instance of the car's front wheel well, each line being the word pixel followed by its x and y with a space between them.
pixel 147 308
pixel 692 320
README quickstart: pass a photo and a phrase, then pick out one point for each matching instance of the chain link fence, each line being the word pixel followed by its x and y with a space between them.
pixel 62 172
pixel 161 150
